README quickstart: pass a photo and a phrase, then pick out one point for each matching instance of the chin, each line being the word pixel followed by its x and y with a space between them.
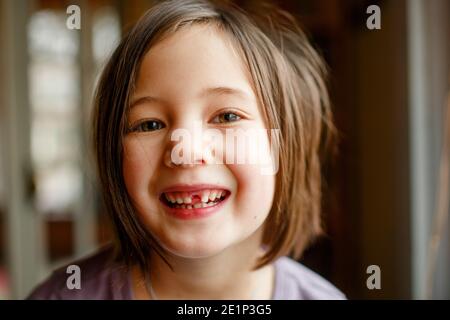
pixel 195 251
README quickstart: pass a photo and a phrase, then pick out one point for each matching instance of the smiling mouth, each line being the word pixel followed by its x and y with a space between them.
pixel 194 200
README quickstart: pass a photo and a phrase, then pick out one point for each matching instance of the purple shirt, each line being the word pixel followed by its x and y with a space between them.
pixel 104 279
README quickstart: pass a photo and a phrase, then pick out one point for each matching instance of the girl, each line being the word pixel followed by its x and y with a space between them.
pixel 200 227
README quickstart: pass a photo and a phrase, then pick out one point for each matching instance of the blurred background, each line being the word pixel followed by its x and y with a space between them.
pixel 386 194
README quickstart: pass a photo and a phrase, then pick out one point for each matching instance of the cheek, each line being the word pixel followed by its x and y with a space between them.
pixel 139 166
pixel 254 194
pixel 255 190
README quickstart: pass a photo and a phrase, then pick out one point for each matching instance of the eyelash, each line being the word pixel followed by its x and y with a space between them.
pixel 229 112
pixel 138 127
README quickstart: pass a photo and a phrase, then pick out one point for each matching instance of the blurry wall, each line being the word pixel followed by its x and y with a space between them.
pixel 382 117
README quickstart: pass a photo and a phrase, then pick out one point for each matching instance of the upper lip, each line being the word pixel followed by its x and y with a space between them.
pixel 192 188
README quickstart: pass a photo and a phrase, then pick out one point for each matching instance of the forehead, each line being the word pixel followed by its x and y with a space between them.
pixel 194 57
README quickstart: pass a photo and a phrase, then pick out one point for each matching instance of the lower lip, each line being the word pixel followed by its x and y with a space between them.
pixel 195 213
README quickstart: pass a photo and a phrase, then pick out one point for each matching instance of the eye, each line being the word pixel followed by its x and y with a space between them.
pixel 226 117
pixel 148 125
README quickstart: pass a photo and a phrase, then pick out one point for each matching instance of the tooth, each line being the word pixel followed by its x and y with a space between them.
pixel 204 205
pixel 188 206
pixel 197 205
pixel 218 194
pixel 179 200
pixel 212 195
pixel 223 193
pixel 205 196
pixel 187 199
pixel 172 197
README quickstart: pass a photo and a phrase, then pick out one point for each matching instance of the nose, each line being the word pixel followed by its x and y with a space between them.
pixel 186 148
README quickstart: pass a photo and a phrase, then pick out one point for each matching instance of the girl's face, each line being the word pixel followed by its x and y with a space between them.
pixel 194 81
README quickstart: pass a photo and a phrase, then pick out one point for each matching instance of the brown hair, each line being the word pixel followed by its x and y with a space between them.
pixel 288 79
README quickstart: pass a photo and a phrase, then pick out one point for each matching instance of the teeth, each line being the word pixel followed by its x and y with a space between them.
pixel 195 206
pixel 169 198
pixel 205 196
pixel 183 199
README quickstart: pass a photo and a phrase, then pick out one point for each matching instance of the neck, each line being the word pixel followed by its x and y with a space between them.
pixel 227 275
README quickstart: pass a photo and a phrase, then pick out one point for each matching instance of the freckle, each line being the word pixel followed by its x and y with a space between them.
pixel 254 217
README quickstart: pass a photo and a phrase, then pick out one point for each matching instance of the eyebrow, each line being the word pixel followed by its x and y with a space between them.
pixel 217 91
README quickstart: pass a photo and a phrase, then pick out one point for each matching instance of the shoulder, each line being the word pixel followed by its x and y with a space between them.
pixel 294 281
pixel 101 278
